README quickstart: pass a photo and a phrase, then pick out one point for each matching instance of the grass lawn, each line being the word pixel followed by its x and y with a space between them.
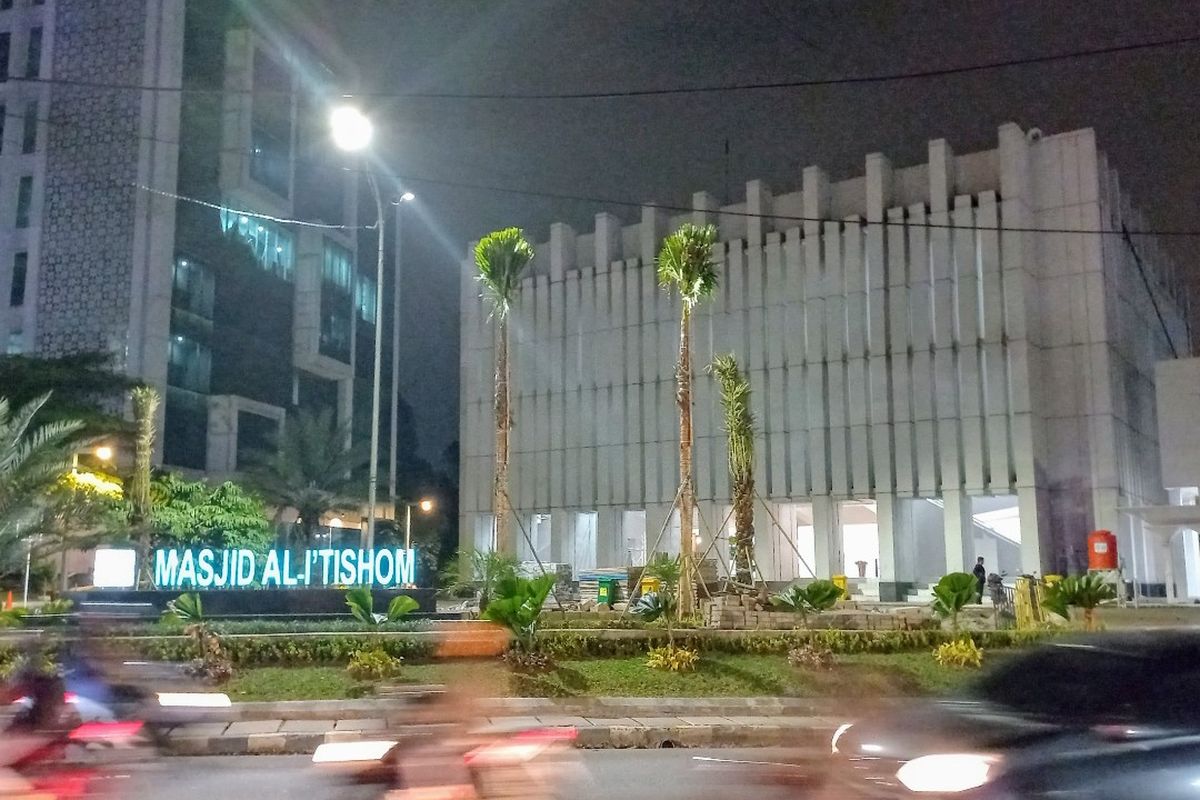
pixel 900 674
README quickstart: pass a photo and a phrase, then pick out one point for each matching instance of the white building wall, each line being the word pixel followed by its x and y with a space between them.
pixel 932 357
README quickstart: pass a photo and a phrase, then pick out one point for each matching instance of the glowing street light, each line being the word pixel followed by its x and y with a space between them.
pixel 351 129
pixel 104 453
pixel 426 505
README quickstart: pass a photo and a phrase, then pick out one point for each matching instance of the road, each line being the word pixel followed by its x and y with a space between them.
pixel 627 774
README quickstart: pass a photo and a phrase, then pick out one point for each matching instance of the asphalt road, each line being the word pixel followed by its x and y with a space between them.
pixel 627 774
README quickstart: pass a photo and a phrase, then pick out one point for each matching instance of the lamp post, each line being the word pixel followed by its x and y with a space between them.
pixel 426 505
pixel 352 131
pixel 407 197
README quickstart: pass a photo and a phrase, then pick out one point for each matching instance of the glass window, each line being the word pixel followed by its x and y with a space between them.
pixel 16 293
pixel 189 364
pixel 192 287
pixel 339 266
pixel 5 46
pixel 37 2
pixel 365 299
pixel 24 200
pixel 16 343
pixel 3 116
pixel 5 5
pixel 271 125
pixel 29 132
pixel 33 53
pixel 272 244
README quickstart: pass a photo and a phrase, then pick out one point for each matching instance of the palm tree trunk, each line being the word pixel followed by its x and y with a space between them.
pixel 500 497
pixel 145 407
pixel 687 493
pixel 743 515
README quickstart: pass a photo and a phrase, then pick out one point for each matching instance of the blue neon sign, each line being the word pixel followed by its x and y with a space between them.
pixel 206 568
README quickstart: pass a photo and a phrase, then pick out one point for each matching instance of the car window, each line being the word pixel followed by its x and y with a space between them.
pixel 1073 682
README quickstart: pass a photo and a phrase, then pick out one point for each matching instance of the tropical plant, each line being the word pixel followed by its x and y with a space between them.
pixel 488 569
pixel 31 460
pixel 952 594
pixel 80 386
pixel 501 258
pixel 672 659
pixel 362 607
pixel 1080 591
pixel 663 604
pixel 374 665
pixel 187 513
pixel 185 608
pixel 145 408
pixel 518 606
pixel 308 469
pixel 959 654
pixel 686 266
pixel 818 596
pixel 739 433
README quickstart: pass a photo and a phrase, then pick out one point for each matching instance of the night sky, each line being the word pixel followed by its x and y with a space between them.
pixel 1143 105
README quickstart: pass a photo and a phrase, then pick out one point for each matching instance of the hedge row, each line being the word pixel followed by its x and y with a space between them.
pixel 335 625
pixel 253 651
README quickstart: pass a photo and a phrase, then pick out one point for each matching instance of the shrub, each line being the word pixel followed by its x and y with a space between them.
pixel 673 659
pixel 185 608
pixel 811 655
pixel 818 596
pixel 362 607
pixel 11 618
pixel 373 665
pixel 518 607
pixel 62 605
pixel 1082 591
pixel 212 662
pixel 952 594
pixel 959 654
pixel 528 661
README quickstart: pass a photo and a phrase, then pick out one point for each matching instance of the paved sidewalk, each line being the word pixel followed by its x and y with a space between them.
pixel 643 723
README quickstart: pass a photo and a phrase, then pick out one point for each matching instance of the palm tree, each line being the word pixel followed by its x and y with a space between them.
pixel 309 469
pixel 145 401
pixel 739 431
pixel 685 265
pixel 78 385
pixel 501 258
pixel 31 460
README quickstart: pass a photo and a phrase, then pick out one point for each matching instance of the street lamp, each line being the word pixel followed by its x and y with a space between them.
pixel 352 131
pixel 407 197
pixel 426 505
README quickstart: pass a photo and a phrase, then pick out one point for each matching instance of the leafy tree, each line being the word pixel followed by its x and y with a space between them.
pixel 1080 591
pixel 192 513
pixel 145 408
pixel 501 257
pixel 816 597
pixel 79 386
pixel 739 432
pixel 518 607
pixel 31 460
pixel 309 469
pixel 952 594
pixel 362 607
pixel 79 511
pixel 686 266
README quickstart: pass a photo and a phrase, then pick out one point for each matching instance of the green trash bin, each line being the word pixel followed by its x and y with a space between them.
pixel 606 593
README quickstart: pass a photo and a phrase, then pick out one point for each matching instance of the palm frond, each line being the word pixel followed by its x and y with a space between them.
pixel 501 257
pixel 685 263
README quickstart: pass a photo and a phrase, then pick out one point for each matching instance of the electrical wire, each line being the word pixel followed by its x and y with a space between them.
pixel 256 214
pixel 849 80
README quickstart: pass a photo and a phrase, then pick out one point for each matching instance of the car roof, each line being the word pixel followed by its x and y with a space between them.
pixel 1153 644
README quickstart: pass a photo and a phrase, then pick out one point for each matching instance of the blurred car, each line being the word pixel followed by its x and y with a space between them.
pixel 1110 717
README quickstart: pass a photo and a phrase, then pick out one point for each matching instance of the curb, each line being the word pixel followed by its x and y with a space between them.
pixel 808 733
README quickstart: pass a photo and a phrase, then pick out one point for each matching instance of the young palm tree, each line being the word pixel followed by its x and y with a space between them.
pixel 501 258
pixel 31 460
pixel 685 265
pixel 739 431
pixel 145 407
pixel 309 469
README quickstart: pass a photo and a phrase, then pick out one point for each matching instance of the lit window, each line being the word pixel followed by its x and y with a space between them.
pixel 189 364
pixel 365 299
pixel 272 243
pixel 16 343
pixel 192 287
pixel 338 267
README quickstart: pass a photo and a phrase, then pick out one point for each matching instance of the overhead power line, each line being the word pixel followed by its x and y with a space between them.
pixel 885 77
pixel 597 200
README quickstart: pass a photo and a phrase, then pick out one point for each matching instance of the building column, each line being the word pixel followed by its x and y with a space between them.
pixel 897 546
pixel 1031 544
pixel 827 531
pixel 610 538
pixel 957 527
pixel 562 538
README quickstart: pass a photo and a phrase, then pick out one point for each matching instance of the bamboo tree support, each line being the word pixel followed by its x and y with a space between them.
pixel 786 537
pixel 657 541
pixel 536 558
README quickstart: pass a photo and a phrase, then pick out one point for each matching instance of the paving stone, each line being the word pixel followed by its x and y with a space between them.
pixel 199 729
pixel 360 725
pixel 563 721
pixel 710 721
pixel 659 722
pixel 266 743
pixel 253 727
pixel 752 722
pixel 345 736
pixel 606 722
pixel 307 726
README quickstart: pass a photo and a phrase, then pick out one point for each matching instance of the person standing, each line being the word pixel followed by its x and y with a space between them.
pixel 980 573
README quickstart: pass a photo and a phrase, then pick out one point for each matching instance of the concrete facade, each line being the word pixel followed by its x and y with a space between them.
pixel 907 348
pixel 100 256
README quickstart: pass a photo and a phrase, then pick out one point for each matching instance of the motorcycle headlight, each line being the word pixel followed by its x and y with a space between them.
pixel 947 773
